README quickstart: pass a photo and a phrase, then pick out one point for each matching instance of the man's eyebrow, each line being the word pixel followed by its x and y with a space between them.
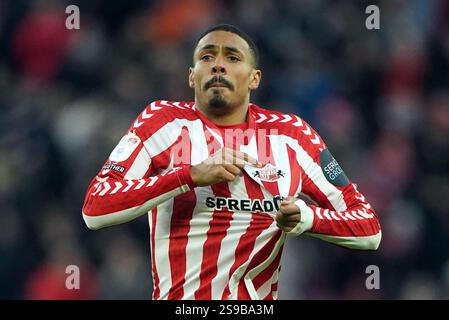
pixel 215 47
pixel 232 49
pixel 208 47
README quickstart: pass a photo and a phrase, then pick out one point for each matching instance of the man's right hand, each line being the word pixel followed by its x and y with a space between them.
pixel 224 165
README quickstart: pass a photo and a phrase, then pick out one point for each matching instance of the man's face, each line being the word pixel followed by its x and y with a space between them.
pixel 223 73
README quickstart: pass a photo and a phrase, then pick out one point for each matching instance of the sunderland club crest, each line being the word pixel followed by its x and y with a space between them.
pixel 269 173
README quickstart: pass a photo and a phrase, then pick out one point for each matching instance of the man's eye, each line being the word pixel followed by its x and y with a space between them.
pixel 234 58
pixel 206 58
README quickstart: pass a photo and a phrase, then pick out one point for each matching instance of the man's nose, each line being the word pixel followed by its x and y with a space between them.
pixel 218 68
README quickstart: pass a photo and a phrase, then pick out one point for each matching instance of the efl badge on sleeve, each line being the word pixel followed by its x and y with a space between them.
pixel 125 147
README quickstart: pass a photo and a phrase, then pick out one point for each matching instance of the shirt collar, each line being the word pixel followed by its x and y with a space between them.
pixel 251 121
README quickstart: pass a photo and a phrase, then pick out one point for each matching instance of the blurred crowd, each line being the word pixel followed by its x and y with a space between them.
pixel 379 98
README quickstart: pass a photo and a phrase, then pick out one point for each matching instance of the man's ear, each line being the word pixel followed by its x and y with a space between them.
pixel 191 78
pixel 256 76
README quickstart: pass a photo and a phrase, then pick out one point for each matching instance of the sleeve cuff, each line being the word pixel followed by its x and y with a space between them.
pixel 306 222
pixel 186 178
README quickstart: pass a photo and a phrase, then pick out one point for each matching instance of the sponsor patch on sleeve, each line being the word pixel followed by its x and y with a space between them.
pixel 332 170
pixel 115 167
pixel 125 147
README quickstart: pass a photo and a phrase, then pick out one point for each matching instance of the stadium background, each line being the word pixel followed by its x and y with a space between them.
pixel 379 98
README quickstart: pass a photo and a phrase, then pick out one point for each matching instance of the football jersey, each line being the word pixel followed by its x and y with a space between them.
pixel 221 241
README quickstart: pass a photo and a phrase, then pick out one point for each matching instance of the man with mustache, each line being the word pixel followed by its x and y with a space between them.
pixel 208 175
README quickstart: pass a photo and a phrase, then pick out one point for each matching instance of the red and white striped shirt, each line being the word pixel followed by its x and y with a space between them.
pixel 221 241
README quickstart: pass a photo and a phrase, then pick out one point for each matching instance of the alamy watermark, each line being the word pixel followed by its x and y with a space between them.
pixel 181 151
pixel 372 282
pixel 73 19
pixel 72 282
pixel 373 20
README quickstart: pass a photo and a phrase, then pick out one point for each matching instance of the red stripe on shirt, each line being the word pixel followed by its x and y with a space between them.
pixel 259 222
pixel 259 258
pixel 183 206
pixel 295 171
pixel 218 226
pixel 267 273
pixel 310 188
pixel 156 291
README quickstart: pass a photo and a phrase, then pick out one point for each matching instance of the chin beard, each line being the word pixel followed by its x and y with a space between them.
pixel 218 102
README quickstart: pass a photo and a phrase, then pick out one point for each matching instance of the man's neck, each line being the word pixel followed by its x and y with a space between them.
pixel 235 116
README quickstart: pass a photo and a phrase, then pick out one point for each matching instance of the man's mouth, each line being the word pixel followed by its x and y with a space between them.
pixel 218 82
pixel 218 85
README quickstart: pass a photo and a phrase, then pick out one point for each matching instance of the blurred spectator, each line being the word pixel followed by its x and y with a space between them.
pixel 171 21
pixel 40 41
pixel 125 273
pixel 48 279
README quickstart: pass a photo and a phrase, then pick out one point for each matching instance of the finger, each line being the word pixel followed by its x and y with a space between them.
pixel 289 210
pixel 279 216
pixel 231 159
pixel 240 165
pixel 287 222
pixel 308 200
pixel 283 224
pixel 232 169
pixel 238 158
pixel 293 218
pixel 225 175
pixel 286 228
pixel 227 156
pixel 219 157
pixel 290 225
pixel 286 202
pixel 247 158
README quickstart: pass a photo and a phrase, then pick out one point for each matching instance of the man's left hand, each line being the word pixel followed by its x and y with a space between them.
pixel 289 215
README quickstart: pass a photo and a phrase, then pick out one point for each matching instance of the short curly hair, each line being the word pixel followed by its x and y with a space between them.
pixel 241 34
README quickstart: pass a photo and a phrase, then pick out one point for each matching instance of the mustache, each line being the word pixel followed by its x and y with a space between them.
pixel 218 79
